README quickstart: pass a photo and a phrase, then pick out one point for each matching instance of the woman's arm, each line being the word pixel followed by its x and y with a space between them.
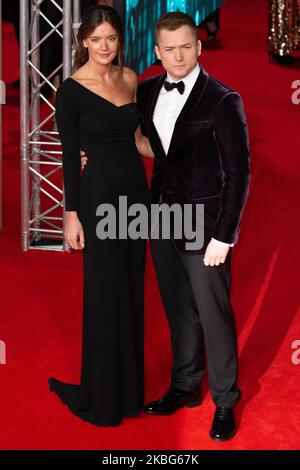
pixel 143 145
pixel 142 142
pixel 67 124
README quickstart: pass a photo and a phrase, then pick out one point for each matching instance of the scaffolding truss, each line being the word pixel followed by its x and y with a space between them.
pixel 41 156
pixel 2 101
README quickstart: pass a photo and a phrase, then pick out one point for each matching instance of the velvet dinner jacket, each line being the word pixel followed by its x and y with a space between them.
pixel 208 160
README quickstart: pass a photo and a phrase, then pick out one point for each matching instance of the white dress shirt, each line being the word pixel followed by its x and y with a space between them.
pixel 168 107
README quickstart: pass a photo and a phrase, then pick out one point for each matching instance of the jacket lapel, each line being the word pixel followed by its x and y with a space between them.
pixel 191 103
pixel 152 102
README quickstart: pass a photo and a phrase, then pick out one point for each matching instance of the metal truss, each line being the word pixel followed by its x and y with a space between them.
pixel 41 156
pixel 2 101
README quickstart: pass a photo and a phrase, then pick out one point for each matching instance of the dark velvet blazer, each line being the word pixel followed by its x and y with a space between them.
pixel 208 158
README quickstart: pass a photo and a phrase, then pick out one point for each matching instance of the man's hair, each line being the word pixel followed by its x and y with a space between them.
pixel 174 20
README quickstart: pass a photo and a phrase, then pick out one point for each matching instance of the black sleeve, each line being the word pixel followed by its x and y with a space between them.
pixel 231 132
pixel 68 128
pixel 142 106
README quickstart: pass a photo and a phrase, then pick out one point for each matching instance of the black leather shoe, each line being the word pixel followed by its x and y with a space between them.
pixel 172 401
pixel 223 426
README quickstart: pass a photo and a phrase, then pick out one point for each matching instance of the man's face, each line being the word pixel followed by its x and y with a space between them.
pixel 178 51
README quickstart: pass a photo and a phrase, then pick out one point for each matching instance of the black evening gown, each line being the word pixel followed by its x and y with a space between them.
pixel 112 367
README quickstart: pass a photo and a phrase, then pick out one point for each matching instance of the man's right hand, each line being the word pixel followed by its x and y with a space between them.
pixel 84 159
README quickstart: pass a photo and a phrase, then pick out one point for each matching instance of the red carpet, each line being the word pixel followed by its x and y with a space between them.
pixel 41 291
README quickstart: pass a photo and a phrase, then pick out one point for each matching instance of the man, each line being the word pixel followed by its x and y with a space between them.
pixel 198 132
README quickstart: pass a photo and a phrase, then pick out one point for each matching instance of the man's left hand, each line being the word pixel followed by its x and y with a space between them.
pixel 215 253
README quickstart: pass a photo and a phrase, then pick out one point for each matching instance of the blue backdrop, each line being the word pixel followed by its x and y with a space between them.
pixel 141 16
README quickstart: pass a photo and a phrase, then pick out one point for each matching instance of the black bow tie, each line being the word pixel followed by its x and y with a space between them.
pixel 170 86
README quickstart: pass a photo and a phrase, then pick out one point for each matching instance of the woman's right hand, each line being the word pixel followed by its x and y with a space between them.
pixel 73 231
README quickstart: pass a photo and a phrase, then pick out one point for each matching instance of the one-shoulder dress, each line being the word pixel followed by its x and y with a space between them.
pixel 112 367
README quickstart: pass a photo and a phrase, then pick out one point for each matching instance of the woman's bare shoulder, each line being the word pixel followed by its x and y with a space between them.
pixel 130 76
pixel 79 74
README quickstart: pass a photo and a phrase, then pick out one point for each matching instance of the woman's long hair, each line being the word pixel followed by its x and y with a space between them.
pixel 92 18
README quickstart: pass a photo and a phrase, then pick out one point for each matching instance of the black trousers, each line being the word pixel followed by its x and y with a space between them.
pixel 201 319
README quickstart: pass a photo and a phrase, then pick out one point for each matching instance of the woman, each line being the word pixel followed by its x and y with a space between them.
pixel 96 111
